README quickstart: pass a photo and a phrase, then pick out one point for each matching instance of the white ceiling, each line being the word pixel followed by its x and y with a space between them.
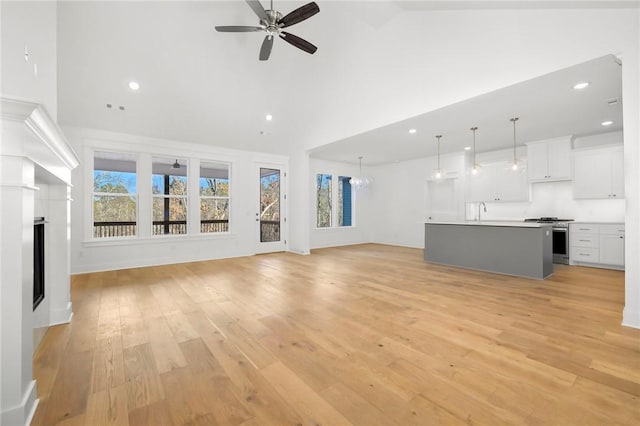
pixel 377 63
pixel 546 107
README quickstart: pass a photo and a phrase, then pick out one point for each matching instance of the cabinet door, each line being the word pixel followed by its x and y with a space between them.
pixel 617 173
pixel 591 175
pixel 559 160
pixel 482 187
pixel 612 249
pixel 537 157
pixel 513 185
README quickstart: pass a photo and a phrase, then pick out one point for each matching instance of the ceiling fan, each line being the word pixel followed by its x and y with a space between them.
pixel 272 22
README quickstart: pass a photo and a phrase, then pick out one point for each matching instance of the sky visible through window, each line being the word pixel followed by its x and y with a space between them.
pixel 126 179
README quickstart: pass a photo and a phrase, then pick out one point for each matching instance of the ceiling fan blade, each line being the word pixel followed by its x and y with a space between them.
pixel 237 29
pixel 299 15
pixel 265 50
pixel 298 42
pixel 258 9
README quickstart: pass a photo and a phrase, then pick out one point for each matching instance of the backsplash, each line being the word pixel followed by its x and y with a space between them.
pixel 552 199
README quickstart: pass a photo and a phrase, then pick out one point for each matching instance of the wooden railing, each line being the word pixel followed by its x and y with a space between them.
pixel 160 227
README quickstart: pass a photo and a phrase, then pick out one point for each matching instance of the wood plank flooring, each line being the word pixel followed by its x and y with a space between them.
pixel 362 335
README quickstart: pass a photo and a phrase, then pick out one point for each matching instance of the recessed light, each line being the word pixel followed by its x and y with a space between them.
pixel 581 85
pixel 412 131
pixel 268 117
pixel 607 123
pixel 133 85
pixel 467 148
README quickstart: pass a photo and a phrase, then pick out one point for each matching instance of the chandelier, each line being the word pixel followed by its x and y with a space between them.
pixel 360 182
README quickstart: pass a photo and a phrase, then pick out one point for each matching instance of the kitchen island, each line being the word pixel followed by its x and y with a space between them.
pixel 514 248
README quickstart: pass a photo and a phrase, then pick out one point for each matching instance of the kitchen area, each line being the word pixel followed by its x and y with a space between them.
pixel 576 186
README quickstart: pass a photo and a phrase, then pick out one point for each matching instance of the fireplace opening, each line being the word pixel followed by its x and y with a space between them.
pixel 38 261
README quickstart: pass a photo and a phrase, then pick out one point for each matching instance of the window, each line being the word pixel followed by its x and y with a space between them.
pixel 169 188
pixel 214 197
pixel 115 201
pixel 344 201
pixel 323 200
pixel 325 209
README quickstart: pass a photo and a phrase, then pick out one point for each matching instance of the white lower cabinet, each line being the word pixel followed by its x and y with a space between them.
pixel 600 245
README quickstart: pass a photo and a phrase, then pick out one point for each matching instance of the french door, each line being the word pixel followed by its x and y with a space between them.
pixel 271 208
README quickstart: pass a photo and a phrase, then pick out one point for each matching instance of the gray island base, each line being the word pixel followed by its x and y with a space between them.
pixel 513 248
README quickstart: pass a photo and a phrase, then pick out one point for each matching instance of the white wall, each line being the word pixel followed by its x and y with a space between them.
pixel 401 198
pixel 96 255
pixel 30 25
pixel 553 199
pixel 400 203
pixel 345 235
pixel 556 198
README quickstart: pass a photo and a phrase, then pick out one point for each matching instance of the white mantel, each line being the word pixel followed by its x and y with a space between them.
pixel 30 140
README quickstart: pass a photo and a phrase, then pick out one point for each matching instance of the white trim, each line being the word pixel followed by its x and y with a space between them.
pixel 171 238
pixel 23 413
pixel 36 117
pixel 61 316
pixel 159 261
pixel 630 318
pixel 20 185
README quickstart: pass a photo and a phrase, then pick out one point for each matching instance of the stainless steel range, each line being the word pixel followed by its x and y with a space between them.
pixel 560 228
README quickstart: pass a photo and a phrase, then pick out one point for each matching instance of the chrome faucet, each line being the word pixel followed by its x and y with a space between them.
pixel 481 204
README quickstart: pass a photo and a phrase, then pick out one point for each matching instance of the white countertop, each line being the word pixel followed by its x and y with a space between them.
pixel 510 223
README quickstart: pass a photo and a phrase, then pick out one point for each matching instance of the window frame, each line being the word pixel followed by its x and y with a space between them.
pixel 92 194
pixel 213 197
pixel 334 196
pixel 185 198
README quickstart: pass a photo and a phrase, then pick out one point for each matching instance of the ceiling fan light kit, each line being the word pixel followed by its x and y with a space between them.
pixel 272 22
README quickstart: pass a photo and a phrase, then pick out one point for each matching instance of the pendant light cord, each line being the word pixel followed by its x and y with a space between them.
pixel 438 137
pixel 473 129
pixel 513 120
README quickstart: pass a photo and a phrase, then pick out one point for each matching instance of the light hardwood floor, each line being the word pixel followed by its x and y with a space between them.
pixel 363 335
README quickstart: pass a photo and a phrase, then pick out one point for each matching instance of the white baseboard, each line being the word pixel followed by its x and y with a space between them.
pixel 22 414
pixel 61 316
pixel 137 263
pixel 630 318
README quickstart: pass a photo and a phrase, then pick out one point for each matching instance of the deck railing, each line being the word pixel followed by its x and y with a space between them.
pixel 160 227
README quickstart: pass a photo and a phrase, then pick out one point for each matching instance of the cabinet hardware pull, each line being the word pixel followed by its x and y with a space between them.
pixel 585 241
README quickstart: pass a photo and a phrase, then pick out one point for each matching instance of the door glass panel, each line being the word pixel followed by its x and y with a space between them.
pixel 269 205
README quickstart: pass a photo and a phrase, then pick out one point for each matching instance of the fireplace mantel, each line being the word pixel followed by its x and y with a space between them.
pixel 31 140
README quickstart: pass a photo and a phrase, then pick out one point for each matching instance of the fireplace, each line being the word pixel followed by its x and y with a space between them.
pixel 38 261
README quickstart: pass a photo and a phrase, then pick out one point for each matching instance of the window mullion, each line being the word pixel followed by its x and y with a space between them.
pixel 145 199
pixel 193 197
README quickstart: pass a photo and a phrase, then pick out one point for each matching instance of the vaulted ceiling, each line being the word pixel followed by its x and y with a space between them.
pixel 378 63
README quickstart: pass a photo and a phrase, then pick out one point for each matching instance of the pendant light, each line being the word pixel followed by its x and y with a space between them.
pixel 176 165
pixel 514 165
pixel 475 169
pixel 438 170
pixel 360 181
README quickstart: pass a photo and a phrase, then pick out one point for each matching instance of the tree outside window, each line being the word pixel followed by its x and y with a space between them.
pixel 115 201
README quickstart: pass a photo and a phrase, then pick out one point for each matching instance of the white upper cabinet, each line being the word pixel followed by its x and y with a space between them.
pixel 549 160
pixel 497 182
pixel 598 173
